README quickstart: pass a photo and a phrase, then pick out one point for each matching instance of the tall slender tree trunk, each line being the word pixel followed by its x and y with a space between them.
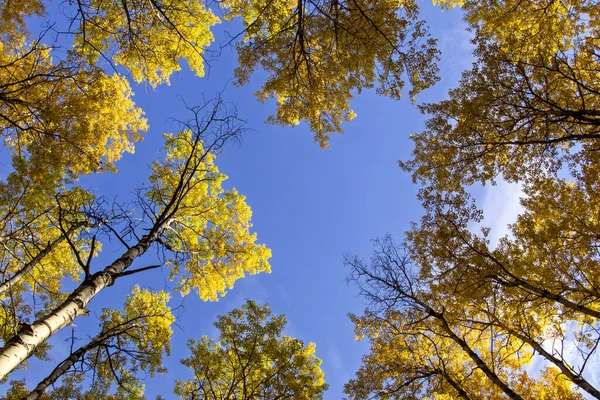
pixel 23 344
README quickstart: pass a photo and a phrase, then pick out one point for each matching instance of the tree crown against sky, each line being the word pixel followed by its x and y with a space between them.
pixel 252 359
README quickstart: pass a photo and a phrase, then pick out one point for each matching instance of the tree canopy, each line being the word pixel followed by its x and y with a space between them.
pixel 318 53
pixel 527 107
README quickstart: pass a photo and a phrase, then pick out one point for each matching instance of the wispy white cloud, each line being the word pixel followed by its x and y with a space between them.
pixel 501 206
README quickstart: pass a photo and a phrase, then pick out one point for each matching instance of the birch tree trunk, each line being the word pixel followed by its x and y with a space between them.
pixel 23 344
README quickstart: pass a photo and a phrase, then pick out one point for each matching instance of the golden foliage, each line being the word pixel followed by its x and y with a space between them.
pixel 252 359
pixel 318 54
pixel 527 113
pixel 210 230
pixel 149 38
pixel 439 328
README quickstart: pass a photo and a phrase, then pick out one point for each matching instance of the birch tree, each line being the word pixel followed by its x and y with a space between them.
pixel 203 230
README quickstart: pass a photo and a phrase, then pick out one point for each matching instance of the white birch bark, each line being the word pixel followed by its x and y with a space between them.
pixel 24 343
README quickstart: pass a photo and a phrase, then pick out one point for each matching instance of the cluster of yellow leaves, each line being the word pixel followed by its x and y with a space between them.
pixel 319 53
pixel 448 4
pixel 62 120
pixel 529 104
pixel 149 38
pixel 533 29
pixel 442 325
pixel 12 17
pixel 556 238
pixel 541 280
pixel 210 230
pixel 145 322
pixel 252 359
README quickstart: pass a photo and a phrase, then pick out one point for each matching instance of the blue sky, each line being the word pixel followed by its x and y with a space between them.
pixel 310 206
